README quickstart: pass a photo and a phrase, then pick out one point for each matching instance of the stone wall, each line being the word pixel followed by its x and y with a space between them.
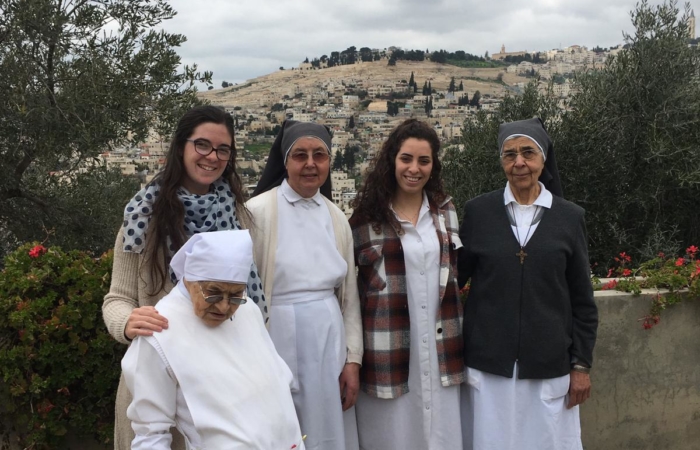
pixel 646 383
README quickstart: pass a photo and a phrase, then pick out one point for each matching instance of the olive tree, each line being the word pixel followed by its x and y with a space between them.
pixel 631 140
pixel 78 78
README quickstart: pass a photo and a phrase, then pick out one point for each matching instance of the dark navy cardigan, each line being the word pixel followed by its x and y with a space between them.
pixel 541 313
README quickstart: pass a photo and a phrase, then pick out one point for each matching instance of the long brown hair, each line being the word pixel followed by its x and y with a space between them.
pixel 375 195
pixel 168 215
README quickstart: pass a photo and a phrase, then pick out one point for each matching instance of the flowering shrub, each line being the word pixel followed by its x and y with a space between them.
pixel 680 276
pixel 58 365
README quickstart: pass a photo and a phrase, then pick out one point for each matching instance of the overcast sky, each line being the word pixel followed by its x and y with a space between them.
pixel 243 39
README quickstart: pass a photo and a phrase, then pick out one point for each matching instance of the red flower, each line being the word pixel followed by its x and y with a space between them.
pixel 626 273
pixel 692 250
pixel 45 407
pixel 625 257
pixel 609 285
pixel 680 262
pixel 648 322
pixel 661 255
pixel 610 272
pixel 37 251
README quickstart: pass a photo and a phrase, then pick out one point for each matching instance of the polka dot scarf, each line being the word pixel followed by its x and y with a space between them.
pixel 213 211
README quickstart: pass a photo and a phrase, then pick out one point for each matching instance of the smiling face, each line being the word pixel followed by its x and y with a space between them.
pixel 308 164
pixel 414 164
pixel 214 314
pixel 522 173
pixel 201 171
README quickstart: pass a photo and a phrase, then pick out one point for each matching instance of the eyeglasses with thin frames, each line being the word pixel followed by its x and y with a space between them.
pixel 204 147
pixel 212 299
pixel 528 154
pixel 318 157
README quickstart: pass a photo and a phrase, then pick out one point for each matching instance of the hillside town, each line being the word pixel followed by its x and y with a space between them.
pixel 363 101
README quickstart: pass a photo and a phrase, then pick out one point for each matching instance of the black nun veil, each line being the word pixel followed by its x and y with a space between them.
pixel 275 171
pixel 535 130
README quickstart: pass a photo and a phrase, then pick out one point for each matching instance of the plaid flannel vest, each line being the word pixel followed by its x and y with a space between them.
pixel 384 302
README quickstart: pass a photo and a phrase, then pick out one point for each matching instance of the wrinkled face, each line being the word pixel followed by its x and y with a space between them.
pixel 308 164
pixel 201 171
pixel 523 162
pixel 414 164
pixel 214 314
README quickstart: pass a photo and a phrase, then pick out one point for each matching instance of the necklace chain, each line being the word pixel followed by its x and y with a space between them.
pixel 521 254
pixel 412 218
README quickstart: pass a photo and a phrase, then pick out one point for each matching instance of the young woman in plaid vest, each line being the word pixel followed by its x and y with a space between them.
pixel 405 234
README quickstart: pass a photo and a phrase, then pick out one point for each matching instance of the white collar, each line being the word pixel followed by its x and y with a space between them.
pixel 293 196
pixel 544 199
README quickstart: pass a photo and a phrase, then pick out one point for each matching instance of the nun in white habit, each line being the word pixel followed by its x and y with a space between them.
pixel 304 244
pixel 214 373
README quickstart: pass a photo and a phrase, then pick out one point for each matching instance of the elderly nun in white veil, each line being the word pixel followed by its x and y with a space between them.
pixel 214 373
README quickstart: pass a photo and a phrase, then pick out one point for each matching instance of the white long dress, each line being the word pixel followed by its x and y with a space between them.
pixel 501 413
pixel 223 387
pixel 306 324
pixel 427 417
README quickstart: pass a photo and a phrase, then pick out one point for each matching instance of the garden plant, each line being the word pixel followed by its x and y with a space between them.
pixel 59 367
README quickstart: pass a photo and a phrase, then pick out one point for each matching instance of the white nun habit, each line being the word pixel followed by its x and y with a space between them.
pixel 222 387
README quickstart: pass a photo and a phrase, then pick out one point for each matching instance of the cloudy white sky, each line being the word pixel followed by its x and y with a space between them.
pixel 242 39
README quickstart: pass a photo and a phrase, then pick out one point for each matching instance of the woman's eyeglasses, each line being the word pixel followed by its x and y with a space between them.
pixel 318 157
pixel 527 154
pixel 237 300
pixel 204 147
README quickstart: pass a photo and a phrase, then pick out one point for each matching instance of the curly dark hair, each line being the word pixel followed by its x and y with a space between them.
pixel 168 215
pixel 375 195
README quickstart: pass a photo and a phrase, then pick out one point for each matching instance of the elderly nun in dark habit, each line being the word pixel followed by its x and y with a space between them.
pixel 530 320
pixel 304 247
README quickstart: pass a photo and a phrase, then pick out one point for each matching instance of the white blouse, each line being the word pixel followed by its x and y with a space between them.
pixel 427 417
pixel 525 214
pixel 307 260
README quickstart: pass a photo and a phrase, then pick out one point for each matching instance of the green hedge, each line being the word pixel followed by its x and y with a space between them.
pixel 59 367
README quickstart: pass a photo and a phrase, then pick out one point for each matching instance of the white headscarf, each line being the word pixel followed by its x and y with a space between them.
pixel 224 256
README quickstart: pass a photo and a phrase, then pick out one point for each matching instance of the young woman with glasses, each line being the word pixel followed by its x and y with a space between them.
pixel 197 191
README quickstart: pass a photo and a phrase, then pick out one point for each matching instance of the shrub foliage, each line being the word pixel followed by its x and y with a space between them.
pixel 59 367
